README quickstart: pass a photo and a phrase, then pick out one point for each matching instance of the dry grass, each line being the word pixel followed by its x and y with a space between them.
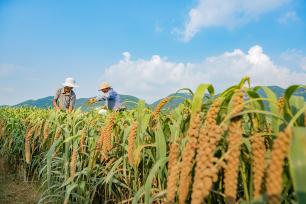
pixel 14 190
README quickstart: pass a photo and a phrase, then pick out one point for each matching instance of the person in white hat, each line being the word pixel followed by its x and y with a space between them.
pixel 110 96
pixel 65 97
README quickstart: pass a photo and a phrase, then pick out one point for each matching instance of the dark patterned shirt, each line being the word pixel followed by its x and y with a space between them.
pixel 65 100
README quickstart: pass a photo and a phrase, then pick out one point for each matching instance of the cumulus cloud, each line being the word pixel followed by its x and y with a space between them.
pixel 150 78
pixel 290 16
pixel 157 77
pixel 224 13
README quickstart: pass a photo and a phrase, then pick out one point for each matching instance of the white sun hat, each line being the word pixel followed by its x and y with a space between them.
pixel 70 82
pixel 104 85
pixel 102 112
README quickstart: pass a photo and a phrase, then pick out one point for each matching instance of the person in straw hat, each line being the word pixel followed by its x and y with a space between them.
pixel 65 97
pixel 110 96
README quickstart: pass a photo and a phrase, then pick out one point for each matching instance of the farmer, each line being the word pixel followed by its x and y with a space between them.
pixel 65 97
pixel 110 96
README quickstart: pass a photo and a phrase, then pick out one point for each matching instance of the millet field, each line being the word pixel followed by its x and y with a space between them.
pixel 238 146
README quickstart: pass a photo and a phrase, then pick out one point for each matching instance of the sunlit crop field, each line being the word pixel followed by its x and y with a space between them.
pixel 237 146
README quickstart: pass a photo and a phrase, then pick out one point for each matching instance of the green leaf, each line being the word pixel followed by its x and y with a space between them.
pixel 297 162
pixel 198 97
pixel 148 185
pixel 69 189
pixel 243 80
pixel 138 195
pixel 272 106
pixel 161 145
pixel 49 158
pixel 296 104
pixel 287 95
pixel 290 91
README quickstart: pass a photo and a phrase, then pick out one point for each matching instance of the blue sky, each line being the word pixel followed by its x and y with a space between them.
pixel 167 45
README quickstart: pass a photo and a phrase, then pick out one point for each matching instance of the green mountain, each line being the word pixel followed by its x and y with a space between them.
pixel 180 97
pixel 4 106
pixel 131 101
pixel 177 99
pixel 280 91
pixel 41 103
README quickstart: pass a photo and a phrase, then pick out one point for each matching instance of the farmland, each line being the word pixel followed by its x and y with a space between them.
pixel 238 146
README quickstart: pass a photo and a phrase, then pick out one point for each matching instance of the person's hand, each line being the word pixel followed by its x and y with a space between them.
pixel 92 100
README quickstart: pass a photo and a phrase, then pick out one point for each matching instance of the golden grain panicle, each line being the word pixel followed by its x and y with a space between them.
pixel 276 166
pixel 205 171
pixel 258 162
pixel 232 161
pixel 84 132
pixel 46 131
pixel 281 104
pixel 237 102
pixel 131 143
pixel 107 136
pixel 173 172
pixel 29 134
pixel 234 140
pixel 2 126
pixel 58 133
pixel 158 108
pixel 73 163
pixel 188 157
pixel 100 139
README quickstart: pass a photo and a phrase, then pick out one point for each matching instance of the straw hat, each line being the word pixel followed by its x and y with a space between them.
pixel 104 85
pixel 70 82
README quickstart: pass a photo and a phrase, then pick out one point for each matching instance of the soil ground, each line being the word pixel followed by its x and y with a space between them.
pixel 13 188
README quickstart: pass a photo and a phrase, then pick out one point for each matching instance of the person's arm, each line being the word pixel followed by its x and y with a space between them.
pixel 101 97
pixel 110 95
pixel 70 109
pixel 72 103
pixel 57 108
pixel 94 99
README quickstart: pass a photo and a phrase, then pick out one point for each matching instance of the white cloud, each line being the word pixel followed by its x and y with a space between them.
pixel 158 28
pixel 225 13
pixel 157 77
pixel 149 78
pixel 290 16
